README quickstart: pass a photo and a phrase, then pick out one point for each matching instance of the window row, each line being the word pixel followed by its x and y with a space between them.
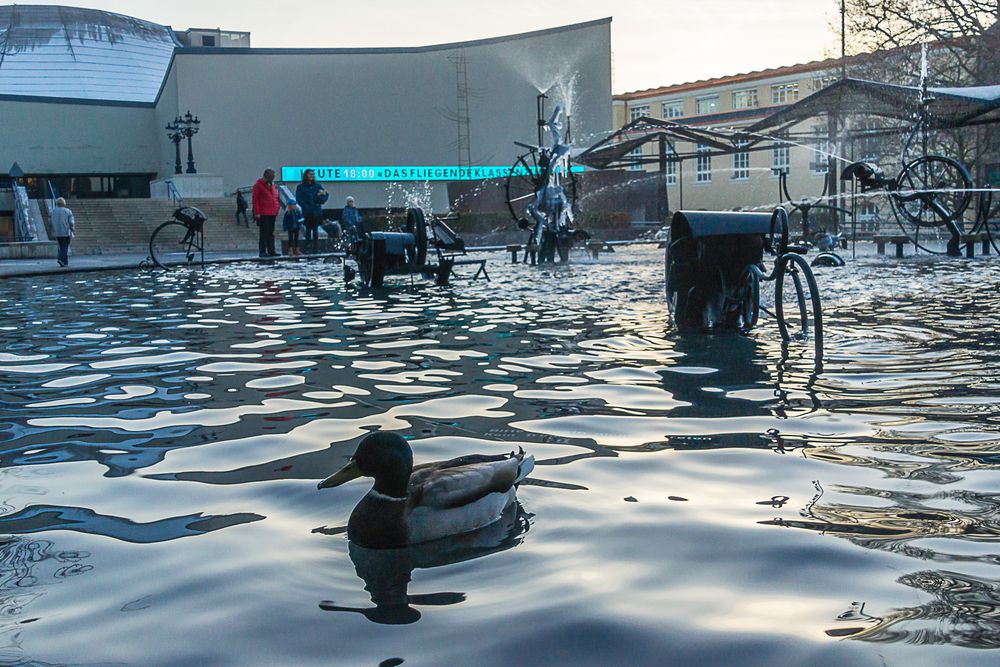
pixel 746 98
pixel 740 171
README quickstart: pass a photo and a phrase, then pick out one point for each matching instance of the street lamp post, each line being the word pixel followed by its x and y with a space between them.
pixel 191 125
pixel 185 126
pixel 175 133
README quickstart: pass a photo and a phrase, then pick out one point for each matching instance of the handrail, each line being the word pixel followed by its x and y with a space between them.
pixel 53 195
pixel 175 195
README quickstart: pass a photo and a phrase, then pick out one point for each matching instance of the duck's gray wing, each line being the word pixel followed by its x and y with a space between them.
pixel 448 486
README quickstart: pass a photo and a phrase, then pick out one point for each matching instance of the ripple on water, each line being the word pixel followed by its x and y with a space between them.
pixel 777 510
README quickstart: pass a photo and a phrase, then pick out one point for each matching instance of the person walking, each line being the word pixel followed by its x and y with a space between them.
pixel 241 209
pixel 63 226
pixel 311 196
pixel 292 223
pixel 265 211
pixel 350 219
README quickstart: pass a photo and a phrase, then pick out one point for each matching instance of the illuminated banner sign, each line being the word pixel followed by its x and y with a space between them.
pixel 354 174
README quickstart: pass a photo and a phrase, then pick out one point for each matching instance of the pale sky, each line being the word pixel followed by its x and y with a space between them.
pixel 654 42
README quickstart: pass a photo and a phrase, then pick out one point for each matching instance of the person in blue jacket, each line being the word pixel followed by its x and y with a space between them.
pixel 311 196
pixel 292 223
pixel 350 219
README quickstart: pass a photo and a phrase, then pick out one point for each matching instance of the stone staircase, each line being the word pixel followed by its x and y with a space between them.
pixel 114 226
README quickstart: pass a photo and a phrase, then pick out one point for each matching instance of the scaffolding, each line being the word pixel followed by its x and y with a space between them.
pixel 462 120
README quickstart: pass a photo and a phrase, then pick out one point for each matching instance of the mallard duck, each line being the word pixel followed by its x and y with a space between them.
pixel 409 505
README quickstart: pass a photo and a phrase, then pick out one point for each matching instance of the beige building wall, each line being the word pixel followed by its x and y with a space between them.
pixel 739 101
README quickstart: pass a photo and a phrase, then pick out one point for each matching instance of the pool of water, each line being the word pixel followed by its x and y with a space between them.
pixel 711 499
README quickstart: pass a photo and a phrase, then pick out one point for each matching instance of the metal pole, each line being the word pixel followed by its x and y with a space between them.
pixel 176 138
pixel 843 39
pixel 190 169
pixel 662 206
pixel 680 184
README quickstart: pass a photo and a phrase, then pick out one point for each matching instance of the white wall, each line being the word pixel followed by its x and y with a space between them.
pixel 55 138
pixel 270 108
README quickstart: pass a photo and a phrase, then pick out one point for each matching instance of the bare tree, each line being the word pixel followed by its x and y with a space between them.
pixel 963 34
pixel 962 39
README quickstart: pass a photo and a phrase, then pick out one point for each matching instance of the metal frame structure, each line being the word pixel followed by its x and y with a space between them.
pixel 381 254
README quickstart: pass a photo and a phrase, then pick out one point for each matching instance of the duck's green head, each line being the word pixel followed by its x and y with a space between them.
pixel 386 457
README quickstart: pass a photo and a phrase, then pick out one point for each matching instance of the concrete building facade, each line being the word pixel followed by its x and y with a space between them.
pixel 278 108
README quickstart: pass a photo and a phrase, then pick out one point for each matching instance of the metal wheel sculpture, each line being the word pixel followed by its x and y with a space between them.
pixel 525 180
pixel 932 190
pixel 406 253
pixel 824 241
pixel 179 241
pixel 541 194
pixel 715 268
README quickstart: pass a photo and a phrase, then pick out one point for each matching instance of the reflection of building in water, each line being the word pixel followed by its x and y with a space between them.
pixel 387 572
pixel 965 608
pixel 27 567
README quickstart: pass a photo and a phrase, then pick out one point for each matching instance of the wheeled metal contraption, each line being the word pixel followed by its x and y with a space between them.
pixel 541 193
pixel 381 254
pixel 714 271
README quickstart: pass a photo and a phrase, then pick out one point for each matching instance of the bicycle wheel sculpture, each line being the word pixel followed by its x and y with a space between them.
pixel 541 192
pixel 524 182
pixel 180 241
pixel 933 190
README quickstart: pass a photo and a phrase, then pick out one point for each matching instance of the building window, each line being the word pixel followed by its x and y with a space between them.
pixel 703 165
pixel 635 154
pixel 741 164
pixel 821 82
pixel 820 163
pixel 634 113
pixel 784 93
pixel 671 167
pixel 868 145
pixel 707 104
pixel 780 159
pixel 745 99
pixel 208 40
pixel 868 210
pixel 673 109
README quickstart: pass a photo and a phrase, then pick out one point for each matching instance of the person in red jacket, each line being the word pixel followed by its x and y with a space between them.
pixel 265 210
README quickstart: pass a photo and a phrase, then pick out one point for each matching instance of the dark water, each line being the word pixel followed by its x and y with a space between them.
pixel 710 500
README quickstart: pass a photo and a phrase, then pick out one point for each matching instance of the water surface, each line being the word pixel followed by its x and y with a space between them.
pixel 695 499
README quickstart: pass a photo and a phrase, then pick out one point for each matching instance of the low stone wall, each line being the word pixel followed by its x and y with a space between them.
pixel 29 250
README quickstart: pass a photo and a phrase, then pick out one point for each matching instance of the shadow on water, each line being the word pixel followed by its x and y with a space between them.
pixel 41 518
pixel 387 573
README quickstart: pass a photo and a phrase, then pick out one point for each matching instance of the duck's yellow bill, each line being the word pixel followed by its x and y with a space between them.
pixel 345 474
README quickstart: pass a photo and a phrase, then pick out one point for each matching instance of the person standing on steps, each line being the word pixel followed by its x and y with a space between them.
pixel 311 196
pixel 63 226
pixel 265 210
pixel 241 209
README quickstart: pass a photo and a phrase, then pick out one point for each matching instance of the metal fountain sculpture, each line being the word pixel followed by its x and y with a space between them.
pixel 541 192
pixel 406 253
pixel 715 267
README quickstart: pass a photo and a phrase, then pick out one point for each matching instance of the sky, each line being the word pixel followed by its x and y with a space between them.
pixel 654 42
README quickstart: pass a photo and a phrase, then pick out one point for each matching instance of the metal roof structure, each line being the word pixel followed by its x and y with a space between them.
pixel 944 107
pixel 615 151
pixel 72 53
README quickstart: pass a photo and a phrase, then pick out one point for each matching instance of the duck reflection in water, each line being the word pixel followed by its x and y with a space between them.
pixel 387 572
